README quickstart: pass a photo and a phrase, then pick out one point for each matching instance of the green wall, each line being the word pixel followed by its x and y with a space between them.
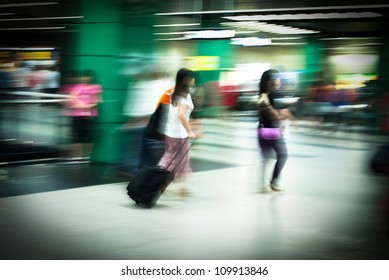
pixel 313 62
pixel 95 45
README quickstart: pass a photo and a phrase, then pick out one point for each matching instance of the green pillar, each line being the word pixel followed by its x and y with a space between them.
pixel 313 62
pixel 138 46
pixel 95 45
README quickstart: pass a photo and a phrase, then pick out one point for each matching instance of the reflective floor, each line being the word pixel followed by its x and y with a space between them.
pixel 334 207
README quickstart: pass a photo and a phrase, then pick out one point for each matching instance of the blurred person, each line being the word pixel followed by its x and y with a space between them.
pixel 20 75
pixel 269 117
pixel 5 76
pixel 53 77
pixel 154 147
pixel 84 96
pixel 144 94
pixel 37 77
pixel 178 130
pixel 143 98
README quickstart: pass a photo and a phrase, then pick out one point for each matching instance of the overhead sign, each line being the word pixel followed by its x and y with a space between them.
pixel 203 63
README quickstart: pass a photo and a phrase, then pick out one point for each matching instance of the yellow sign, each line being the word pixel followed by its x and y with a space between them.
pixel 33 55
pixel 203 63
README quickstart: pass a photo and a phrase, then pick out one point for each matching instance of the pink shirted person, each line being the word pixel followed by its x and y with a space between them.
pixel 82 108
pixel 84 99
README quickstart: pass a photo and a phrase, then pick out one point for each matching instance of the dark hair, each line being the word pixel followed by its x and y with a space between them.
pixel 183 79
pixel 268 75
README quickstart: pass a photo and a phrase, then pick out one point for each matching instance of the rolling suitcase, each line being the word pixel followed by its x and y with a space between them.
pixel 149 183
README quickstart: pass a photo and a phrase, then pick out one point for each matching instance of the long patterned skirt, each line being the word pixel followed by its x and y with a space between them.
pixel 176 158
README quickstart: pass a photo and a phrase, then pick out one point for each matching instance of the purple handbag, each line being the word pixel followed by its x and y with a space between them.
pixel 269 133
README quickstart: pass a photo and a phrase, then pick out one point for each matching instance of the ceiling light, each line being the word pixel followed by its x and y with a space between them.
pixel 42 18
pixel 267 27
pixel 209 34
pixel 378 6
pixel 28 49
pixel 6 14
pixel 169 33
pixel 251 41
pixel 33 28
pixel 175 25
pixel 306 16
pixel 246 31
pixel 350 38
pixel 27 4
pixel 172 39
pixel 289 44
pixel 286 38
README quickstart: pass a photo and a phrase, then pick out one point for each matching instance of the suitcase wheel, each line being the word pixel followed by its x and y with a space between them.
pixel 144 205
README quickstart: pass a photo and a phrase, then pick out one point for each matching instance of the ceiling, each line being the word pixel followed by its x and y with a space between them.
pixel 35 22
pixel 216 11
pixel 355 25
pixel 43 22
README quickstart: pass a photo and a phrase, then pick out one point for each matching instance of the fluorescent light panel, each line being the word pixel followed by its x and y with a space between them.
pixel 27 4
pixel 209 34
pixel 251 41
pixel 286 38
pixel 33 28
pixel 267 27
pixel 289 44
pixel 350 38
pixel 346 48
pixel 172 39
pixel 42 18
pixel 169 33
pixel 27 49
pixel 176 25
pixel 378 6
pixel 199 34
pixel 246 32
pixel 306 16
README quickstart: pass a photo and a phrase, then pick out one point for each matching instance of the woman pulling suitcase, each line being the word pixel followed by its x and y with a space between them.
pixel 178 130
pixel 150 182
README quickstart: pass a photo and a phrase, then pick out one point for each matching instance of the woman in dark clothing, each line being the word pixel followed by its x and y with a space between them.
pixel 269 117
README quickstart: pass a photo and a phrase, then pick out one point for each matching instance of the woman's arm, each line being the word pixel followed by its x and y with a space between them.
pixel 266 107
pixel 182 109
pixel 286 114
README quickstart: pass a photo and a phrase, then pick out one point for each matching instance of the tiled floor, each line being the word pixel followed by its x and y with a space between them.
pixel 334 207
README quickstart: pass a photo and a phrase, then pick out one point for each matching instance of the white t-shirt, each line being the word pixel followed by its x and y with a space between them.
pixel 174 127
